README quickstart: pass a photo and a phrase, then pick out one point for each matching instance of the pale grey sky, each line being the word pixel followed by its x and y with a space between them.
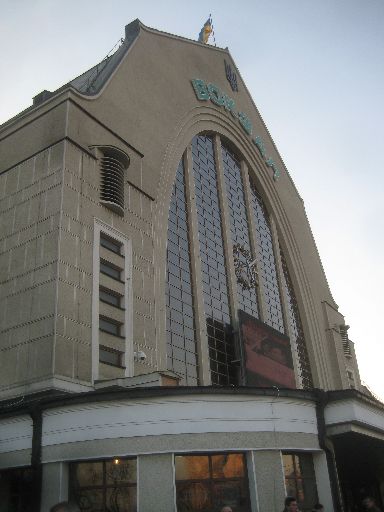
pixel 315 71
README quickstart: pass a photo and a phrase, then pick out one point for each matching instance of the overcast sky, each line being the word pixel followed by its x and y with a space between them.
pixel 314 69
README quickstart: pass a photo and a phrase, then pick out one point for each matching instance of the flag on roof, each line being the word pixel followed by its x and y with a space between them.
pixel 205 32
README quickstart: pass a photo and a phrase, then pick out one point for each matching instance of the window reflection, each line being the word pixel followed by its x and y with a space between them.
pixel 181 344
pixel 192 467
pixel 300 479
pixel 228 465
pixel 104 486
pixel 209 482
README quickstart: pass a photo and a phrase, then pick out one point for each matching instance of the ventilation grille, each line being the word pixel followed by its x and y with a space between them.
pixel 345 339
pixel 112 183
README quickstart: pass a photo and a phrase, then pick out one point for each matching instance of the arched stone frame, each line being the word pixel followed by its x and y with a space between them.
pixel 208 119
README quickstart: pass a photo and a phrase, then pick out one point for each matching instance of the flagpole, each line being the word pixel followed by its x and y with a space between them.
pixel 213 31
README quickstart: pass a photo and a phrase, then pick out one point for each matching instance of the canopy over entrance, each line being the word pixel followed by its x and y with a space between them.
pixel 355 424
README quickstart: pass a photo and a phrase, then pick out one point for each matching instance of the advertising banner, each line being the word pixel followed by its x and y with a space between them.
pixel 267 354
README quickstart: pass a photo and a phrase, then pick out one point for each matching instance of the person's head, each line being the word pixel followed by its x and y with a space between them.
pixel 290 504
pixel 368 502
pixel 318 508
pixel 65 506
pixel 226 508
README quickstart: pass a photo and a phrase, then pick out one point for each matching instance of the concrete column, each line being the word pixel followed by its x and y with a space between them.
pixel 156 489
pixel 322 480
pixel 252 482
pixel 54 485
pixel 269 478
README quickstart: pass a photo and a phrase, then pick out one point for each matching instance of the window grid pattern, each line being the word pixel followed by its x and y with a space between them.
pixel 104 485
pixel 238 223
pixel 213 269
pixel 181 335
pixel 207 482
pixel 295 327
pixel 267 263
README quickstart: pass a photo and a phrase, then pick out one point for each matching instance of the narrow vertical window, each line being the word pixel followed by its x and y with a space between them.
pixel 213 267
pixel 267 263
pixel 295 327
pixel 300 481
pixel 181 344
pixel 239 226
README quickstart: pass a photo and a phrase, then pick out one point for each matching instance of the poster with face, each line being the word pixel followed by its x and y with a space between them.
pixel 267 353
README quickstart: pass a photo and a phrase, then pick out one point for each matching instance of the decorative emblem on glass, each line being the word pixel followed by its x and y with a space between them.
pixel 245 267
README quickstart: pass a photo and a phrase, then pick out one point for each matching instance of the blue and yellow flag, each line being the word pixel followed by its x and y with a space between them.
pixel 205 32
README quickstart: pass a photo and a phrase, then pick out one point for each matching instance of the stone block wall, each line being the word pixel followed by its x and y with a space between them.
pixel 30 198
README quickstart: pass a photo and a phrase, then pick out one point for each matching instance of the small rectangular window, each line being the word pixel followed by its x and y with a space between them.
pixel 110 356
pixel 110 270
pixel 110 297
pixel 110 326
pixel 110 243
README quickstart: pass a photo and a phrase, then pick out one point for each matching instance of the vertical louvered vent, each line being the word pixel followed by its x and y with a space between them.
pixel 113 163
pixel 112 184
pixel 345 339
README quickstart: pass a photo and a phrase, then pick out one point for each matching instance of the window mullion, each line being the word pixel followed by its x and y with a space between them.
pixel 204 371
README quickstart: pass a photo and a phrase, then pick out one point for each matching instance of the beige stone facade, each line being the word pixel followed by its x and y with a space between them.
pixel 141 103
pixel 51 196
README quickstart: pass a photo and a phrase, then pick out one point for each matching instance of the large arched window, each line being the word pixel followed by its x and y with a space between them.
pixel 241 267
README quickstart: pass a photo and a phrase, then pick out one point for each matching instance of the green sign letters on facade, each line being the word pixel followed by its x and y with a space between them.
pixel 205 92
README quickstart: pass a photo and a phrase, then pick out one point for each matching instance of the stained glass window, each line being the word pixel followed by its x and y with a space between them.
pixel 213 266
pixel 181 336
